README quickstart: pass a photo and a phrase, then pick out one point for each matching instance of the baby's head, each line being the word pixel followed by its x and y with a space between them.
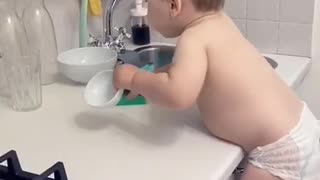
pixel 170 17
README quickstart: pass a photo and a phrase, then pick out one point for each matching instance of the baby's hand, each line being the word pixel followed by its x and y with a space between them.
pixel 132 95
pixel 123 76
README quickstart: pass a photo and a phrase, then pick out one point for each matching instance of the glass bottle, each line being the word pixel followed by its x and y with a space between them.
pixel 12 31
pixel 21 66
pixel 41 35
pixel 139 26
pixel 140 30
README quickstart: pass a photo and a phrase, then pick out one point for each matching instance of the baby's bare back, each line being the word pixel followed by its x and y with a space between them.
pixel 243 100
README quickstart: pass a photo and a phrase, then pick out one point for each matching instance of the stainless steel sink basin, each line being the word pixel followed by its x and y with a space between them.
pixel 157 55
pixel 272 62
pixel 160 55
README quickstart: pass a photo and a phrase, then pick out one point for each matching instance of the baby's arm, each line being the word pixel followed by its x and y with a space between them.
pixel 163 69
pixel 180 85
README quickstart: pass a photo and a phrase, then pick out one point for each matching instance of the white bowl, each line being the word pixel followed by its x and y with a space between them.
pixel 100 91
pixel 82 64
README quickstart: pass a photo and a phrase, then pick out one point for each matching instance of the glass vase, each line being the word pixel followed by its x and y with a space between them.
pixel 41 35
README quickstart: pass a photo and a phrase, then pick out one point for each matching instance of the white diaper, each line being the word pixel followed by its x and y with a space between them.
pixel 295 156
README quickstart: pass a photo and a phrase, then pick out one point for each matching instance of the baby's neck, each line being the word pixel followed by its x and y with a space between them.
pixel 201 17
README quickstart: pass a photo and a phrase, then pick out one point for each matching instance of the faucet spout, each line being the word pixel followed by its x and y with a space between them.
pixel 111 41
pixel 108 18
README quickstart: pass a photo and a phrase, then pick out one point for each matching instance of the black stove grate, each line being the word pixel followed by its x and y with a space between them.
pixel 13 170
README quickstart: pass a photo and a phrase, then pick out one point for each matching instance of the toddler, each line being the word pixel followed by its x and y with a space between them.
pixel 241 98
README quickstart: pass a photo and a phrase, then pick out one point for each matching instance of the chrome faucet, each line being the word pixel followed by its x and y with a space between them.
pixel 109 40
pixel 108 18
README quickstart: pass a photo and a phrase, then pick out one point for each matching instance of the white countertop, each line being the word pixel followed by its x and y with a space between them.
pixel 138 143
pixel 291 69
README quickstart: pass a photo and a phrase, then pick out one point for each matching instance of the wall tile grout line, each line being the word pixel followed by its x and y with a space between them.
pixel 278 33
pixel 246 15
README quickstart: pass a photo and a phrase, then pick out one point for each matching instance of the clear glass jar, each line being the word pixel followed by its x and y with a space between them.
pixel 42 38
pixel 21 65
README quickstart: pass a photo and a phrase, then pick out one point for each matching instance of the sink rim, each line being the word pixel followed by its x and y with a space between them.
pixel 273 63
pixel 139 49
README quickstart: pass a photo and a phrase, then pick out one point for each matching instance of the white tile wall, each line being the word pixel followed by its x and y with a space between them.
pixel 236 8
pixel 275 26
pixel 263 10
pixel 295 39
pixel 264 34
pixel 299 11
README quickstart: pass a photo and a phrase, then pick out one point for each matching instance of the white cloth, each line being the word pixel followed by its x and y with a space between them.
pixel 296 156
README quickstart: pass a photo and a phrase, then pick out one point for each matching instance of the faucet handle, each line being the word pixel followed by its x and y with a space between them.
pixel 93 41
pixel 123 31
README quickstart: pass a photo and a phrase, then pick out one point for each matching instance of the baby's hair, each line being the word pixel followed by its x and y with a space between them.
pixel 208 5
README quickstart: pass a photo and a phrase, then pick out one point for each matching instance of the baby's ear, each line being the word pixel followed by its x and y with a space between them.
pixel 175 7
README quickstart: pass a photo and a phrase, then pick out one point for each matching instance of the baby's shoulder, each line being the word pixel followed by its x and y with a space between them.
pixel 203 34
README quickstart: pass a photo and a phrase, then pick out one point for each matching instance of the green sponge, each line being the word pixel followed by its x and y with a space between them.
pixel 139 100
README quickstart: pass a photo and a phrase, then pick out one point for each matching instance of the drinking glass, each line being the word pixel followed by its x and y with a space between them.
pixel 24 83
pixel 3 84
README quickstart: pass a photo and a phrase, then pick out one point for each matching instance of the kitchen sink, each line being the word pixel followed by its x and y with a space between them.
pixel 160 55
pixel 157 55
pixel 272 62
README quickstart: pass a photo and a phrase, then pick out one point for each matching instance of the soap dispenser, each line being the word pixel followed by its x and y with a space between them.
pixel 139 25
